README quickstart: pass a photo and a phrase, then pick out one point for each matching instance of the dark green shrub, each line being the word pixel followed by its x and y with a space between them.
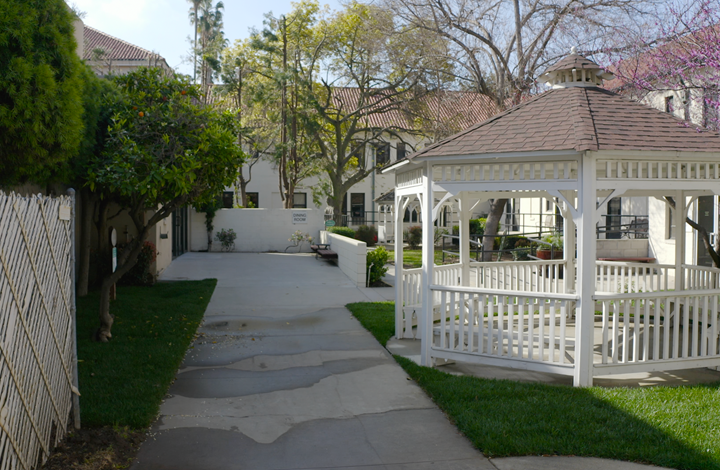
pixel 523 242
pixel 140 275
pixel 375 264
pixel 367 234
pixel 344 231
pixel 414 237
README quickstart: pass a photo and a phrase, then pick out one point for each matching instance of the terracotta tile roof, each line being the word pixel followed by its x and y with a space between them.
pixel 577 119
pixel 114 48
pixel 451 108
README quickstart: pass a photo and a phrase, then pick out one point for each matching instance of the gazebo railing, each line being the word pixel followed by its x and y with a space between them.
pixel 620 277
pixel 701 277
pixel 499 327
pixel 523 276
pixel 448 274
pixel 642 329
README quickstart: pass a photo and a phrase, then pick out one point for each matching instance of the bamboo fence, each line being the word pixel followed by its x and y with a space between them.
pixel 37 327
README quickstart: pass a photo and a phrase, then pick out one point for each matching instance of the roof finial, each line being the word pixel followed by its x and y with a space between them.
pixel 573 50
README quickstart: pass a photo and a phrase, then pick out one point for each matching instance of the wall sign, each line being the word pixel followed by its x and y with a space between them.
pixel 299 217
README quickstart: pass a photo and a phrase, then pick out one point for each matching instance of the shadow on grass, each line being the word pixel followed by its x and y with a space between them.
pixel 677 427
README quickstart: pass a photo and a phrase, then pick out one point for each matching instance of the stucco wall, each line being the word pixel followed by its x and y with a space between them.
pixel 352 255
pixel 257 230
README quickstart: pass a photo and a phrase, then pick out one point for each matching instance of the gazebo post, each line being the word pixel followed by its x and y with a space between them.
pixel 679 215
pixel 569 249
pixel 587 250
pixel 428 260
pixel 464 227
pixel 399 215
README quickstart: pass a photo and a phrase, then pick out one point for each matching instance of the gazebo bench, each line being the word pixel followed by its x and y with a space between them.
pixel 638 259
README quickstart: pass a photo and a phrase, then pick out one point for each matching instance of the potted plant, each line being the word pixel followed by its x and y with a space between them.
pixel 552 248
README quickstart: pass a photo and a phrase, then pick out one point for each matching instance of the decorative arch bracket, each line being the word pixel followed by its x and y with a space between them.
pixel 439 205
pixel 570 207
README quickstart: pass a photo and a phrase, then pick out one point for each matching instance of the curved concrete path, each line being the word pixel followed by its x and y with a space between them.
pixel 283 377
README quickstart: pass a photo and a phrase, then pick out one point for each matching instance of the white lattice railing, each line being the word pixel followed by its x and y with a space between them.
pixel 677 330
pixel 37 352
pixel 657 170
pixel 477 324
pixel 620 277
pixel 448 274
pixel 701 277
pixel 524 276
pixel 498 172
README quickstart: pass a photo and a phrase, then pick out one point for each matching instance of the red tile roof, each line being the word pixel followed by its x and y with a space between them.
pixel 577 118
pixel 114 48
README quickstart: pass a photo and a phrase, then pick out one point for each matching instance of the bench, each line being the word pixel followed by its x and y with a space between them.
pixel 323 251
pixel 639 259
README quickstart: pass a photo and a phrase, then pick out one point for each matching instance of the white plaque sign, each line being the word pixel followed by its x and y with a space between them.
pixel 299 217
pixel 64 213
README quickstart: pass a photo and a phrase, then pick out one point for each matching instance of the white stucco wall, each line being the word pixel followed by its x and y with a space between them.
pixel 352 255
pixel 622 248
pixel 257 230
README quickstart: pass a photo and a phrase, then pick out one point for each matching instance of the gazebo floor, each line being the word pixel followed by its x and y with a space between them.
pixel 410 348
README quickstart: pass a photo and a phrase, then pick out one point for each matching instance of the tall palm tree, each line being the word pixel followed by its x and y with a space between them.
pixel 194 22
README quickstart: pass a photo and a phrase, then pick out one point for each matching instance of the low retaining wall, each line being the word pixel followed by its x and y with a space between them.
pixel 258 230
pixel 622 248
pixel 351 255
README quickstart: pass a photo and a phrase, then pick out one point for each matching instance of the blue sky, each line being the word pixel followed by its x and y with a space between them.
pixel 162 26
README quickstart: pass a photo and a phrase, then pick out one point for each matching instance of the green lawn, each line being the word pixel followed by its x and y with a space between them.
pixel 677 427
pixel 123 382
pixel 413 258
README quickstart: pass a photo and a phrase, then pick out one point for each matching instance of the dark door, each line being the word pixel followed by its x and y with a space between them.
pixel 706 218
pixel 179 231
pixel 613 219
pixel 357 208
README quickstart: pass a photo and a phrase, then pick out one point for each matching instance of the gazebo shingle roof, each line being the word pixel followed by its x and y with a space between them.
pixel 576 118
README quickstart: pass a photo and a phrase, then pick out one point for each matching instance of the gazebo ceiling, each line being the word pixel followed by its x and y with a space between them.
pixel 575 118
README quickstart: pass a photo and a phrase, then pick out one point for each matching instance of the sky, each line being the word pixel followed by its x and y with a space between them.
pixel 162 26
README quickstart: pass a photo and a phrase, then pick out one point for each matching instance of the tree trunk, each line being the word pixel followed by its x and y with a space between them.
pixel 86 224
pixel 491 227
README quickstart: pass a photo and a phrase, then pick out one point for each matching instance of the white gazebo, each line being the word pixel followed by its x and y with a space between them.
pixel 577 316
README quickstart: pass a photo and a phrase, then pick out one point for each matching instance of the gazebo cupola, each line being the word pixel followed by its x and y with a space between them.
pixel 575 71
pixel 580 145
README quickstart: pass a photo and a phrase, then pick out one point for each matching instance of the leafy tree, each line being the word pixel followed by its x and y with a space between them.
pixel 499 48
pixel 374 74
pixel 163 151
pixel 208 21
pixel 681 55
pixel 40 88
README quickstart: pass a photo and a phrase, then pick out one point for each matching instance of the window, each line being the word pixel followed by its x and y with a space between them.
pixel 382 154
pixel 669 105
pixel 357 150
pixel 252 200
pixel 300 200
pixel 400 150
pixel 228 199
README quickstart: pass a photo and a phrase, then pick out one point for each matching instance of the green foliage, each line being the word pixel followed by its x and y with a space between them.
pixel 375 263
pixel 209 208
pixel 163 146
pixel 139 274
pixel 414 237
pixel 555 239
pixel 154 327
pixel 226 239
pixel 367 234
pixel 40 88
pixel 344 231
pixel 477 227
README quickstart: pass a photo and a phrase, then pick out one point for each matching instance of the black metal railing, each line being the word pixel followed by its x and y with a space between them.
pixel 623 226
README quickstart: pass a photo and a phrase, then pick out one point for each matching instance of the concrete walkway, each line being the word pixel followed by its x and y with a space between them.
pixel 283 377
